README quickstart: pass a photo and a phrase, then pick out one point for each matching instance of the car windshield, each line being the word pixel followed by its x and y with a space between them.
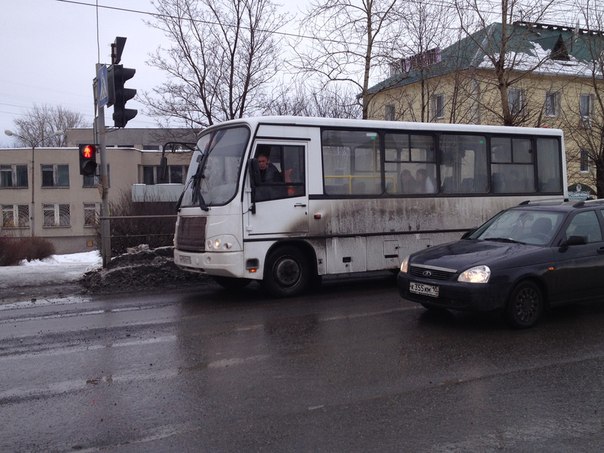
pixel 536 227
pixel 213 174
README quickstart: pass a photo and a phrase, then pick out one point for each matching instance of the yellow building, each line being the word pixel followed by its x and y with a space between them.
pixel 527 74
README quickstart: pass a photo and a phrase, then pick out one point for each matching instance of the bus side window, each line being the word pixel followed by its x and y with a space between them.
pixel 277 171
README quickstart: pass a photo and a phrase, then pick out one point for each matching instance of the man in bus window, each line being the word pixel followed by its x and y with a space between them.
pixel 271 179
pixel 268 172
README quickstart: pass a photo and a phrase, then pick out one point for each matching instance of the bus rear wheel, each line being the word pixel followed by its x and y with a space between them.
pixel 287 272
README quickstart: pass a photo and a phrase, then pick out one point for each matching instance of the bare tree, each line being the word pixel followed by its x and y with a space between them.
pixel 507 66
pixel 351 37
pixel 221 57
pixel 43 125
pixel 426 28
pixel 585 121
pixel 299 100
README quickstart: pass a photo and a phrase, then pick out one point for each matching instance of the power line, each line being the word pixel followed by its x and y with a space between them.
pixel 561 8
pixel 168 16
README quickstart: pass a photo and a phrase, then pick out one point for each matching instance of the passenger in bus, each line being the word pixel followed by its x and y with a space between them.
pixel 272 178
pixel 407 183
pixel 268 172
pixel 425 184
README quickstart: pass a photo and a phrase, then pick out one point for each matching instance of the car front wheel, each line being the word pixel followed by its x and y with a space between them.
pixel 525 305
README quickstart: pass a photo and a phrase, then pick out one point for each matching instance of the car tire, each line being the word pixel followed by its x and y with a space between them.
pixel 525 305
pixel 287 272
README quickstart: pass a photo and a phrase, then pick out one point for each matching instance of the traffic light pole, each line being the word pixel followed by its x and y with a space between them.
pixel 103 187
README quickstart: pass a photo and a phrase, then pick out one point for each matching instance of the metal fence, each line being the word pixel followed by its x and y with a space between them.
pixel 118 233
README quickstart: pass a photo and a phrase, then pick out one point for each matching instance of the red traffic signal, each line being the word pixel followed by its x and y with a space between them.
pixel 88 160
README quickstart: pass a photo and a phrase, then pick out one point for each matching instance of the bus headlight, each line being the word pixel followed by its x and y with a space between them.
pixel 477 274
pixel 220 243
pixel 405 265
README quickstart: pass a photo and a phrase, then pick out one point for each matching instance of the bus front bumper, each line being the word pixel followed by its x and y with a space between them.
pixel 223 264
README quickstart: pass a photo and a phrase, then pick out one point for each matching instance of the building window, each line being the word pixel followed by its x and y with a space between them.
pixel 516 100
pixel 148 175
pixel 552 103
pixel 152 174
pixel 584 160
pixel 15 216
pixel 91 214
pixel 585 105
pixel 13 176
pixel 56 215
pixel 176 174
pixel 585 110
pixel 55 175
pixel 437 104
pixel 389 112
pixel 95 180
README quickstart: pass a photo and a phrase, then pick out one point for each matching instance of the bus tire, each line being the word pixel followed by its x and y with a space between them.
pixel 231 284
pixel 287 272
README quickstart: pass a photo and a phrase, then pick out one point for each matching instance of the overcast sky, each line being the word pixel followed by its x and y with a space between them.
pixel 49 51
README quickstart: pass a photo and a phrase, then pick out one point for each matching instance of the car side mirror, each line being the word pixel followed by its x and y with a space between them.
pixel 576 240
pixel 573 240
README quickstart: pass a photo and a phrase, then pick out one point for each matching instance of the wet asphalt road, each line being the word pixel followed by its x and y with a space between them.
pixel 350 368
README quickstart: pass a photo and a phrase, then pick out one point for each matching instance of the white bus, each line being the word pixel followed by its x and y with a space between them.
pixel 350 195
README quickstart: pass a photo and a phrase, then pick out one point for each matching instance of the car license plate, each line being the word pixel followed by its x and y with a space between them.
pixel 424 290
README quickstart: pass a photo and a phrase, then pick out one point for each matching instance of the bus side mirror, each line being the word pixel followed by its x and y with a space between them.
pixel 254 172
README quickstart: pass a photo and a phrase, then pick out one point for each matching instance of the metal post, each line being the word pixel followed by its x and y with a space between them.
pixel 104 186
pixel 32 215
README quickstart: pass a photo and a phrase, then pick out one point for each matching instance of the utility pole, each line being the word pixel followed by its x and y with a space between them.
pixel 109 91
pixel 100 102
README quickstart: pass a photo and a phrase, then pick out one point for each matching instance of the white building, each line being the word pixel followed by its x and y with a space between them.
pixel 43 194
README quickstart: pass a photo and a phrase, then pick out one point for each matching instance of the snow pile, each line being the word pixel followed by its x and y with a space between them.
pixel 140 268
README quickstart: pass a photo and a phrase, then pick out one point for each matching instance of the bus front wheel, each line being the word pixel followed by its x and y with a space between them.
pixel 287 272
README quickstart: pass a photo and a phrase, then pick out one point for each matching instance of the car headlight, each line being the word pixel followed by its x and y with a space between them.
pixel 405 265
pixel 477 274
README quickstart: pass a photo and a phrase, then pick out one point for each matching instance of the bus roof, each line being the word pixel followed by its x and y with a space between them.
pixel 256 121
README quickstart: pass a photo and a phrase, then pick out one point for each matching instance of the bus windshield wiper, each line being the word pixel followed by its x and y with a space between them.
pixel 197 196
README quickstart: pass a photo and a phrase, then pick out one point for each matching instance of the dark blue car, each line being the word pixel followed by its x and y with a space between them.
pixel 522 261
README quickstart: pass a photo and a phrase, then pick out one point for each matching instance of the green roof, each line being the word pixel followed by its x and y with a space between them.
pixel 564 43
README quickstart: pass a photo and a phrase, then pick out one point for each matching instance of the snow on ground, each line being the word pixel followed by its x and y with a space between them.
pixel 54 270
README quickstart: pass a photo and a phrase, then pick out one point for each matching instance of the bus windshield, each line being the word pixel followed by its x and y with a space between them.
pixel 215 165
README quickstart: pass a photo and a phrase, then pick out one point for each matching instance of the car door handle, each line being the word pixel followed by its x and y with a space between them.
pixel 300 205
pixel 601 251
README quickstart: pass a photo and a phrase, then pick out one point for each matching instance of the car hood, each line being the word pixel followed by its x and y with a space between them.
pixel 467 253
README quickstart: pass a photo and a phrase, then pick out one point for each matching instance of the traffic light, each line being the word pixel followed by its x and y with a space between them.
pixel 88 160
pixel 117 76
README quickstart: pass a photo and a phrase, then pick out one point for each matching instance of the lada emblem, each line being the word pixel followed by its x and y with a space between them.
pixel 427 273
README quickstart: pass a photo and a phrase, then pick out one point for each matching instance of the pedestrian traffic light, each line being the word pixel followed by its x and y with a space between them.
pixel 88 160
pixel 117 76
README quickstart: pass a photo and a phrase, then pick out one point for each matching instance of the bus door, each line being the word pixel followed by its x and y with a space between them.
pixel 278 201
